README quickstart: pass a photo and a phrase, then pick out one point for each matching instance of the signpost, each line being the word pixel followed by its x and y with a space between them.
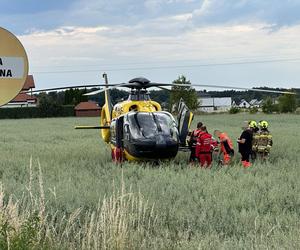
pixel 13 66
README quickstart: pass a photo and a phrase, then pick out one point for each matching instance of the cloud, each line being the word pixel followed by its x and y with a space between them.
pixel 277 12
pixel 131 43
pixel 115 34
pixel 123 47
pixel 22 18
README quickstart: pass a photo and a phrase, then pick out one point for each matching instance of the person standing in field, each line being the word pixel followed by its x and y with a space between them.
pixel 255 133
pixel 204 148
pixel 225 147
pixel 245 144
pixel 264 141
pixel 193 143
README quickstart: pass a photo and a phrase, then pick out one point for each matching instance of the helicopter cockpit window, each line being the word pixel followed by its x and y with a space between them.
pixel 139 96
pixel 144 97
pixel 147 125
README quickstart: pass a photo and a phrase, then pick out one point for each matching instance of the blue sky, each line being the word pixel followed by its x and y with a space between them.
pixel 207 40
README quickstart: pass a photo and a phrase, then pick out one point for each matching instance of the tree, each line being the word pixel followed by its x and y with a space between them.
pixel 267 106
pixel 48 107
pixel 287 103
pixel 188 94
pixel 75 96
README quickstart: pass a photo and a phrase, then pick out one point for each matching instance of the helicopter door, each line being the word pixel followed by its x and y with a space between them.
pixel 117 139
pixel 184 118
pixel 119 132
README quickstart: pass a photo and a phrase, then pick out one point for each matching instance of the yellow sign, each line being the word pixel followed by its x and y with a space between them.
pixel 13 66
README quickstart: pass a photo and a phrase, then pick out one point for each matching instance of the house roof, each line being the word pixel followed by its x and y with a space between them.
pixel 253 102
pixel 22 97
pixel 29 83
pixel 87 106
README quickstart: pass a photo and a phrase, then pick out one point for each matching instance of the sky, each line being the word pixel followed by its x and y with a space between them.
pixel 248 43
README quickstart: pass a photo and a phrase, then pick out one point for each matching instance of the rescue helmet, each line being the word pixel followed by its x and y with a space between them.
pixel 263 124
pixel 252 124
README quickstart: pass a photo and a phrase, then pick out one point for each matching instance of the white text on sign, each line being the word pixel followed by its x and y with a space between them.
pixel 11 67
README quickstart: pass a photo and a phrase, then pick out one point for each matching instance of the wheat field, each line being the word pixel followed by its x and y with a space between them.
pixel 59 190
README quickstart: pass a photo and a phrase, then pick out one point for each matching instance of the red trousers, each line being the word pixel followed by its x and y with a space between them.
pixel 226 158
pixel 205 160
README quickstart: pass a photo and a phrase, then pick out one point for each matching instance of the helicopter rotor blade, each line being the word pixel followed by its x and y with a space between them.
pixel 121 85
pixel 153 84
pixel 163 88
pixel 96 92
pixel 223 87
pixel 69 87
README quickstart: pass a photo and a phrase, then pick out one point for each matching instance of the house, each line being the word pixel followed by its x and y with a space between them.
pixel 234 104
pixel 244 104
pixel 214 104
pixel 29 83
pixel 87 109
pixel 24 99
pixel 255 103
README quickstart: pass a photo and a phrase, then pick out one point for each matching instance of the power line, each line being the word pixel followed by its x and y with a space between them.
pixel 210 60
pixel 170 66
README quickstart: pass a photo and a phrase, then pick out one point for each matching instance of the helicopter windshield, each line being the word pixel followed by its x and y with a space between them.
pixel 148 125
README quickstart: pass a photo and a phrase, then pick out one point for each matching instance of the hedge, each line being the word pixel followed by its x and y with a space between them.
pixel 36 112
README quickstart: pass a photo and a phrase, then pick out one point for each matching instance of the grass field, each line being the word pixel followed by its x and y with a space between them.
pixel 73 197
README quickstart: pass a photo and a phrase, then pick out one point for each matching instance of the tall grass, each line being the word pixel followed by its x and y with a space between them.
pixel 66 201
pixel 123 220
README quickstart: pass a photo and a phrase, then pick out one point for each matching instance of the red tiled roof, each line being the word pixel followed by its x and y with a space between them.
pixel 29 84
pixel 22 97
pixel 87 106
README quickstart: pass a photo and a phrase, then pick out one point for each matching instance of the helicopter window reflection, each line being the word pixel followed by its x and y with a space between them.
pixel 147 125
pixel 140 95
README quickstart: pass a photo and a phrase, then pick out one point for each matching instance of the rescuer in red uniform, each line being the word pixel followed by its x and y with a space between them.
pixel 226 147
pixel 193 142
pixel 204 148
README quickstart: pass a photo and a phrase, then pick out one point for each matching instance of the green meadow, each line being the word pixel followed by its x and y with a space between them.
pixel 60 190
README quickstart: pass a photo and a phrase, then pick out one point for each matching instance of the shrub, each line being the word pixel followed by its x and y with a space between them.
pixel 36 112
pixel 234 110
pixel 253 110
pixel 287 103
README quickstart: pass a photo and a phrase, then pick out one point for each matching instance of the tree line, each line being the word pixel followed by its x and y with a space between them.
pixel 169 98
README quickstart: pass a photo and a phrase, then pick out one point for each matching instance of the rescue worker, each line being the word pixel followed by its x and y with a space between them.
pixel 264 140
pixel 245 143
pixel 226 147
pixel 193 142
pixel 255 131
pixel 204 148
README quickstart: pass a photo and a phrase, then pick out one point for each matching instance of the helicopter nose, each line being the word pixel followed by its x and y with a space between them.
pixel 160 141
pixel 158 147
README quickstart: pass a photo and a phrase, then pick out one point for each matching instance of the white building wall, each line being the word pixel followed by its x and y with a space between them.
pixel 215 104
pixel 19 105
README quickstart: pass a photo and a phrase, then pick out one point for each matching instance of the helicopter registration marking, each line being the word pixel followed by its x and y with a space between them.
pixel 12 67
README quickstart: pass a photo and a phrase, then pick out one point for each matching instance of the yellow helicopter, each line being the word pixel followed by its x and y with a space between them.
pixel 138 129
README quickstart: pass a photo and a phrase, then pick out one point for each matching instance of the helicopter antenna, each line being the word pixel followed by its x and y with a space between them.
pixel 107 92
pixel 108 104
